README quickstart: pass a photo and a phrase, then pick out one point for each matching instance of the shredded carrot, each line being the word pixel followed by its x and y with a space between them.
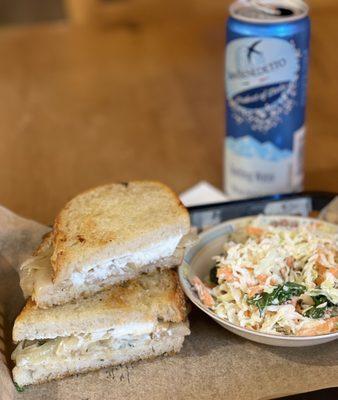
pixel 323 327
pixel 334 271
pixel 255 231
pixel 283 272
pixel 321 269
pixel 290 261
pixel 254 290
pixel 225 273
pixel 262 278
pixel 203 292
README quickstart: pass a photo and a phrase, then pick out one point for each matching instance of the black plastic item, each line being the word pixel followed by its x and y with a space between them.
pixel 324 394
pixel 281 204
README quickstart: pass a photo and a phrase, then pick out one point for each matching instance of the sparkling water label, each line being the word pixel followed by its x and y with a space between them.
pixel 255 168
pixel 261 80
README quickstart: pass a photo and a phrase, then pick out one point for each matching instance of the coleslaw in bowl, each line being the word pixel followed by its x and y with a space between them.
pixel 271 279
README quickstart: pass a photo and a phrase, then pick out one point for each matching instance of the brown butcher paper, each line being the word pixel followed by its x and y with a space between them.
pixel 213 364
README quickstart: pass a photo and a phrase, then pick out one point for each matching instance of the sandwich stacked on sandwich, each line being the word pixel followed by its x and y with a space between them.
pixel 140 319
pixel 81 313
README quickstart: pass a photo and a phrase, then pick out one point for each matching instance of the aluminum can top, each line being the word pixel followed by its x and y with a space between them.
pixel 269 11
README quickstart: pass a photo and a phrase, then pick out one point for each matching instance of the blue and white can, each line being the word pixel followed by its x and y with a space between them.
pixel 266 67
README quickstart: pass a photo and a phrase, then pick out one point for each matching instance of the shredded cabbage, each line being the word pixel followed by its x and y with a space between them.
pixel 271 273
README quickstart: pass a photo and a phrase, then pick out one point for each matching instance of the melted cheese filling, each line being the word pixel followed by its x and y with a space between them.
pixel 107 268
pixel 36 272
pixel 94 344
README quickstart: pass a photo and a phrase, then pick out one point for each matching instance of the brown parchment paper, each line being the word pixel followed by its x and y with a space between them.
pixel 213 364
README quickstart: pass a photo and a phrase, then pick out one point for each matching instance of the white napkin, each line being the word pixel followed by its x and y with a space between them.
pixel 202 193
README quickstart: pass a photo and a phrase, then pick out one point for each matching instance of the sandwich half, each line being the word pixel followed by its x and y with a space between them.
pixel 139 319
pixel 104 236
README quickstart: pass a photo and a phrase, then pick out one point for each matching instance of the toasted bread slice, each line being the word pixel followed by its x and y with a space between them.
pixel 112 221
pixel 142 318
pixel 151 297
pixel 106 236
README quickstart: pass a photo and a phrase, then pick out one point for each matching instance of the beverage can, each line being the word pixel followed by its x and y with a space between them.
pixel 266 66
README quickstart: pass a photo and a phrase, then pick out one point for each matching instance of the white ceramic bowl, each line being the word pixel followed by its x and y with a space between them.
pixel 198 261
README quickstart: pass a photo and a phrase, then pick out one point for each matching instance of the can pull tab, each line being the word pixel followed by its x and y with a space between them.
pixel 264 6
pixel 276 7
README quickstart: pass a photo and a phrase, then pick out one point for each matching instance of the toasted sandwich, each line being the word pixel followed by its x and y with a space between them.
pixel 104 236
pixel 138 319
